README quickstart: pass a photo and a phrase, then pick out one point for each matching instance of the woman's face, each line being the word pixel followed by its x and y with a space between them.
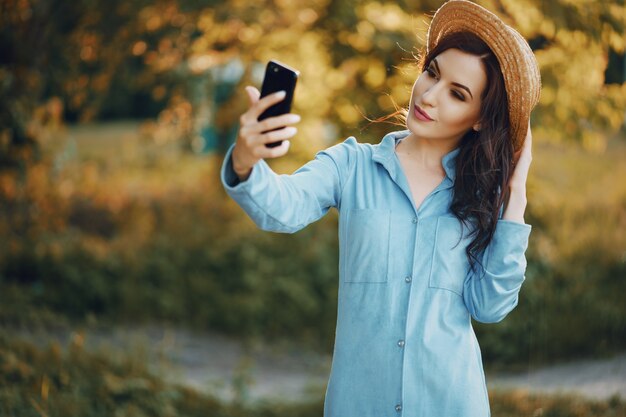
pixel 446 98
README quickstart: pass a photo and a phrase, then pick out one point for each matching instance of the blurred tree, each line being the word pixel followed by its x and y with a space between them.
pixel 185 63
pixel 117 59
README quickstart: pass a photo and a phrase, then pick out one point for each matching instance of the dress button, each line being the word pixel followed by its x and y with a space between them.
pixel 407 278
pixel 398 408
pixel 414 220
pixel 401 343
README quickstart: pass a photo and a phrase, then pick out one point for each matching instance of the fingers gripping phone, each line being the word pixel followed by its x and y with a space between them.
pixel 278 77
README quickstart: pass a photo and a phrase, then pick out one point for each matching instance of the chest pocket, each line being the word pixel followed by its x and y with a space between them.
pixel 449 261
pixel 367 245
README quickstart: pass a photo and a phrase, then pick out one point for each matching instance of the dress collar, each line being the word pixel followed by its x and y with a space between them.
pixel 384 153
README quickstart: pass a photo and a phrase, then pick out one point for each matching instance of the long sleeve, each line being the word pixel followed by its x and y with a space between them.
pixel 287 203
pixel 492 292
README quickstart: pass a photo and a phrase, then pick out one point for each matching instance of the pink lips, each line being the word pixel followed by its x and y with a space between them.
pixel 421 114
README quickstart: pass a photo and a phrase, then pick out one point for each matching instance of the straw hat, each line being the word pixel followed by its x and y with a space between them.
pixel 517 61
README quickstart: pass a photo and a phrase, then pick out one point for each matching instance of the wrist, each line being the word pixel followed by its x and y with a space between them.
pixel 517 203
pixel 515 206
pixel 242 170
pixel 242 173
pixel 517 190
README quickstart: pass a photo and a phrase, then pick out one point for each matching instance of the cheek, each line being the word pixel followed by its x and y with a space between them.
pixel 473 115
pixel 420 85
pixel 459 114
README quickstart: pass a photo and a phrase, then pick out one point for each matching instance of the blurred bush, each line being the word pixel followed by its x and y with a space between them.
pixel 158 243
pixel 156 238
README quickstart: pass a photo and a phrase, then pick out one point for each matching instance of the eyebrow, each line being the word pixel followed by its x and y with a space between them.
pixel 455 84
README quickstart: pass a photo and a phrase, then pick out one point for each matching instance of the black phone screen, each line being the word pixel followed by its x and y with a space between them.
pixel 278 77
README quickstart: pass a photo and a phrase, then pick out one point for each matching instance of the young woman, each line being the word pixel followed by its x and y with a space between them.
pixel 431 219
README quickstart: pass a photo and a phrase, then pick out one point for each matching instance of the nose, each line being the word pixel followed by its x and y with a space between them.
pixel 429 97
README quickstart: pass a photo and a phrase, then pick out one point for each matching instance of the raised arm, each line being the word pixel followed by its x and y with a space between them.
pixel 282 203
pixel 493 292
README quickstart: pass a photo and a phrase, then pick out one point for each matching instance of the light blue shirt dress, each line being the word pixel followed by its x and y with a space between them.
pixel 404 343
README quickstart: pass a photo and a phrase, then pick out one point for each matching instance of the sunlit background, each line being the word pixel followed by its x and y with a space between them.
pixel 125 270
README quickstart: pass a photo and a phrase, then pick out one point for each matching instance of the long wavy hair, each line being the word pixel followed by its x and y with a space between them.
pixel 484 163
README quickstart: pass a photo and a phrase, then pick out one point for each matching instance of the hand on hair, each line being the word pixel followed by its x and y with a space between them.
pixel 515 203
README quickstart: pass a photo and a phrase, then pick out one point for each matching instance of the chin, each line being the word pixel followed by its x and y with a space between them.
pixel 416 127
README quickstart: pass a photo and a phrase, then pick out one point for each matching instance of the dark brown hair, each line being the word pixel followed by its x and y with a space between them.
pixel 484 162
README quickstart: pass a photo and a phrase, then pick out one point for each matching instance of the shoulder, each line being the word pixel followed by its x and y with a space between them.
pixel 344 153
pixel 351 147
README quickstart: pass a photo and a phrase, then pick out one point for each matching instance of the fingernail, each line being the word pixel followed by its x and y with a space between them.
pixel 281 94
pixel 295 118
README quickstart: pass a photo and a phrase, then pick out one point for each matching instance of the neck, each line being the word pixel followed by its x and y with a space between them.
pixel 426 153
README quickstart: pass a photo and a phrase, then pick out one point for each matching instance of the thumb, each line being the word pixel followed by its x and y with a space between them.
pixel 253 94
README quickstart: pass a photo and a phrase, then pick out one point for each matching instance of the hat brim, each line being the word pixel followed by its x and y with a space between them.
pixel 517 61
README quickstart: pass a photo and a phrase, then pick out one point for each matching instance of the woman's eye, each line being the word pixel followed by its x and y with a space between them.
pixel 430 72
pixel 458 95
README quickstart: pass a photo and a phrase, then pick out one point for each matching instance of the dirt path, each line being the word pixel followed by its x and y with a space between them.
pixel 223 367
pixel 596 379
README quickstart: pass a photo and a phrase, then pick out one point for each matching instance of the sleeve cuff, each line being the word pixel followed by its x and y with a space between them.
pixel 229 177
pixel 512 235
pixel 231 182
pixel 508 245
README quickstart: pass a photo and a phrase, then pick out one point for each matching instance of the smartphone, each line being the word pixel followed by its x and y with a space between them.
pixel 278 77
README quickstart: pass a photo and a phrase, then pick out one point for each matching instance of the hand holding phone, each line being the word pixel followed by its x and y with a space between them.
pixel 278 77
pixel 256 132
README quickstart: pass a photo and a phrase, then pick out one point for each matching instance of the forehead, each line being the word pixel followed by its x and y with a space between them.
pixel 463 68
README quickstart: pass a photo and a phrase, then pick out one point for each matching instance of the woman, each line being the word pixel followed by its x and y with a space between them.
pixel 431 225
